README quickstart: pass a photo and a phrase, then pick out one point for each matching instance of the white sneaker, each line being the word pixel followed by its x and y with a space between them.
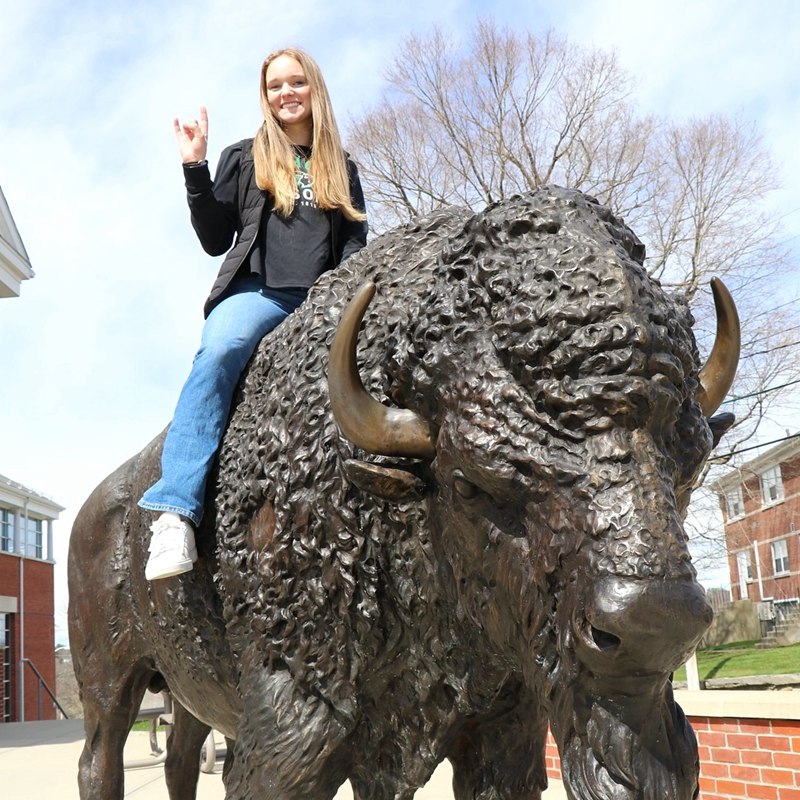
pixel 172 548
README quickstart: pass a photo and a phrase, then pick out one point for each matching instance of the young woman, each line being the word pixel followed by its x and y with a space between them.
pixel 291 204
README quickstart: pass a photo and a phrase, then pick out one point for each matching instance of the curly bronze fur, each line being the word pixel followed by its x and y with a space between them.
pixel 337 634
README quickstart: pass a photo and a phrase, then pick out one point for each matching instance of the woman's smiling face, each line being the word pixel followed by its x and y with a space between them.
pixel 289 93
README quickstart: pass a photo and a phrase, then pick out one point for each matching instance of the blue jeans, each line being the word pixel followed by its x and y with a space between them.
pixel 230 335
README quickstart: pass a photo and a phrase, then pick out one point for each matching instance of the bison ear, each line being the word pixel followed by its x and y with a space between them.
pixel 388 483
pixel 719 424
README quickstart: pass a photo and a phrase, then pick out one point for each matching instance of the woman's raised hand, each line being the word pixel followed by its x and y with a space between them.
pixel 193 137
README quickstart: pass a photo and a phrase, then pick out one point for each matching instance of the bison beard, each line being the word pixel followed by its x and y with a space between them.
pixel 366 616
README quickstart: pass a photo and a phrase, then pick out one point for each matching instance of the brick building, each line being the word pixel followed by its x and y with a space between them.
pixel 27 619
pixel 761 511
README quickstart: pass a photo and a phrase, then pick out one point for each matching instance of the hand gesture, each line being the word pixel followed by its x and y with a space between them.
pixel 192 137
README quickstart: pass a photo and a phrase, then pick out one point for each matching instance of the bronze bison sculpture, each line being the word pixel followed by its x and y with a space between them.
pixel 485 540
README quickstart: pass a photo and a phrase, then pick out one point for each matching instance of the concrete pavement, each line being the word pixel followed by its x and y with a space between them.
pixel 39 761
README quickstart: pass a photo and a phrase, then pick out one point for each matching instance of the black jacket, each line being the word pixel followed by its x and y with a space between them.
pixel 229 210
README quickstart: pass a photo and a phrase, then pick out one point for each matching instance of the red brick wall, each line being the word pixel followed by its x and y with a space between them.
pixel 39 630
pixel 747 759
pixel 551 758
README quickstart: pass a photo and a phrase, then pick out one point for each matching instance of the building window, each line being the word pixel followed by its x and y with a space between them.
pixel 34 538
pixel 6 667
pixel 745 572
pixel 771 486
pixel 780 556
pixel 734 502
pixel 6 530
pixel 745 567
pixel 32 534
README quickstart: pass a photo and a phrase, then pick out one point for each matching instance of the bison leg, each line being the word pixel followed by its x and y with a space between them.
pixel 501 754
pixel 110 706
pixel 288 746
pixel 182 767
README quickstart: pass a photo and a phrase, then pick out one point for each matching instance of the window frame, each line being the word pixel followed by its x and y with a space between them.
pixel 744 556
pixel 771 479
pixel 734 497
pixel 34 538
pixel 780 559
pixel 6 530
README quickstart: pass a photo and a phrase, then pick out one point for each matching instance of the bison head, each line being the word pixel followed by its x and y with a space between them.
pixel 554 403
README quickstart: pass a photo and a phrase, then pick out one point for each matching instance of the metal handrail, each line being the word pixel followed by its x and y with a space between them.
pixel 157 716
pixel 43 682
pixel 165 716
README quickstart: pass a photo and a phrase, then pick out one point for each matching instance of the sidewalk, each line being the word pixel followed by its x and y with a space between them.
pixel 39 761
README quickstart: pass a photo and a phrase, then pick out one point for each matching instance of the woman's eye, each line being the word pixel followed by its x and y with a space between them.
pixel 466 489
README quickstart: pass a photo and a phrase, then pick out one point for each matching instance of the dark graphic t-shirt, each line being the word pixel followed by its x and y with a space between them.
pixel 297 249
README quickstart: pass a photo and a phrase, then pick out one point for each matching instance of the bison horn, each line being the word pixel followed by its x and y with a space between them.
pixel 362 419
pixel 717 374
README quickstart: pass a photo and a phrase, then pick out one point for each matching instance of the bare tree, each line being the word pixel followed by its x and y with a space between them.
pixel 470 123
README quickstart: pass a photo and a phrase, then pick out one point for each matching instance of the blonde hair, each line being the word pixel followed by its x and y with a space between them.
pixel 273 152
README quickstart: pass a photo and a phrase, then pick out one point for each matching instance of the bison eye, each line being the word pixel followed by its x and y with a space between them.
pixel 466 489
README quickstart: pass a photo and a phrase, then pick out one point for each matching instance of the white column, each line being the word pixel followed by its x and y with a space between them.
pixel 758 571
pixel 692 674
pixel 49 553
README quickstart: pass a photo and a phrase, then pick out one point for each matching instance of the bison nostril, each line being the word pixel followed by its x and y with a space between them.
pixel 604 640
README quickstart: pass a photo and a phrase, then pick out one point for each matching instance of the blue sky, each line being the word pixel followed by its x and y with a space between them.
pixel 98 345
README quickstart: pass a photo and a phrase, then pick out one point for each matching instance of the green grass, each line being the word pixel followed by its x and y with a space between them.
pixel 742 658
